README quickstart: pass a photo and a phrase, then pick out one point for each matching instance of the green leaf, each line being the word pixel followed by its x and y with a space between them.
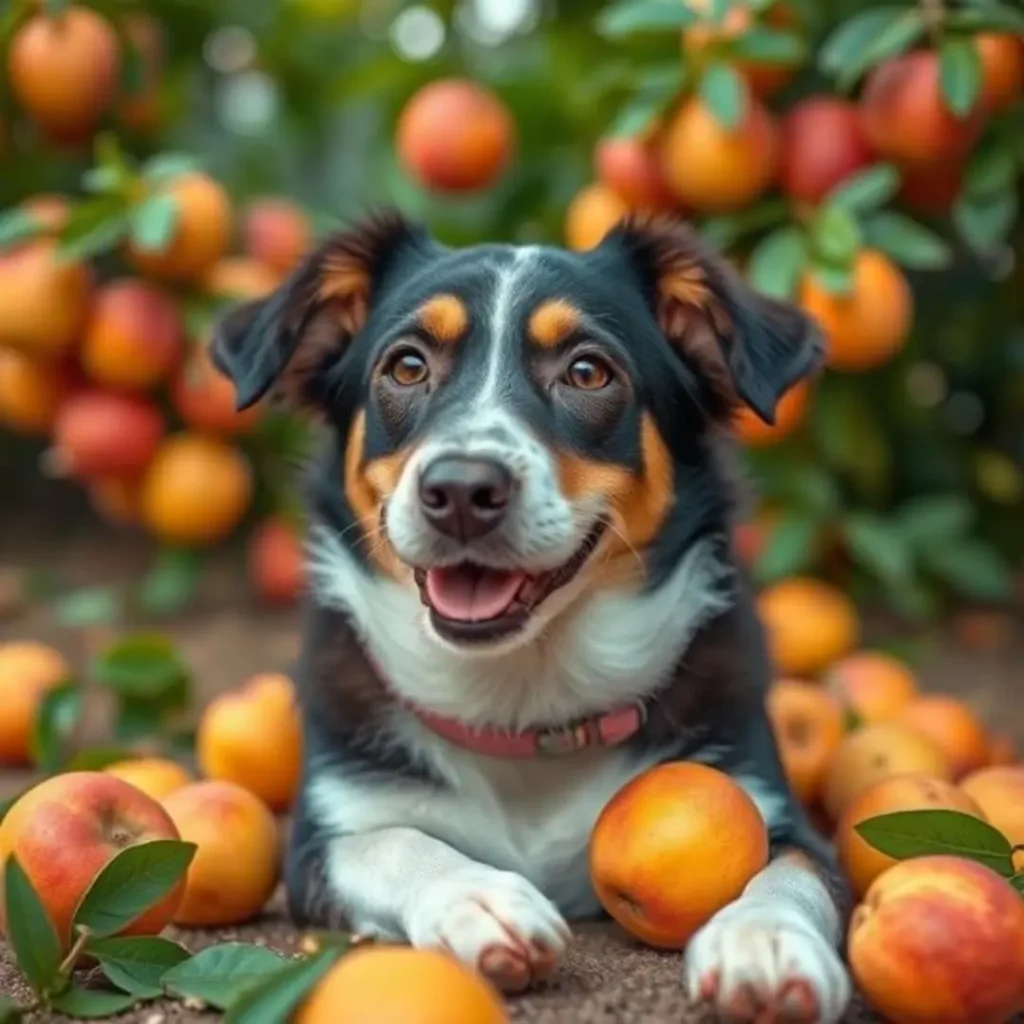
pixel 135 880
pixel 17 225
pixel 137 964
pixel 631 16
pixel 848 40
pixel 91 1003
pixel 154 221
pixel 879 546
pixel 835 236
pixel 94 759
pixel 30 932
pixel 138 719
pixel 725 93
pixel 935 519
pixel 89 606
pixel 894 39
pixel 274 999
pixel 145 666
pixel 986 222
pixel 867 190
pixel 101 180
pixel 94 227
pixel 987 16
pixel 905 834
pixel 777 262
pixel 1017 882
pixel 637 115
pixel 220 974
pixel 9 1012
pixel 793 546
pixel 992 171
pixel 959 74
pixel 835 280
pixel 58 714
pixel 972 568
pixel 167 166
pixel 769 46
pixel 907 242
pixel 171 583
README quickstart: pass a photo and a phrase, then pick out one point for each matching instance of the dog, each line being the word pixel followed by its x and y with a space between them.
pixel 523 591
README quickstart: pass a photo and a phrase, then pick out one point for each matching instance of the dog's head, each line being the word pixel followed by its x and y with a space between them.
pixel 515 424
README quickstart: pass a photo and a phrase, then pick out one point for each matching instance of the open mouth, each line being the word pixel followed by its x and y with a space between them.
pixel 470 602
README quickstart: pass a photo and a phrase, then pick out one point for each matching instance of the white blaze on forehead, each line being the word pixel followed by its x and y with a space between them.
pixel 509 278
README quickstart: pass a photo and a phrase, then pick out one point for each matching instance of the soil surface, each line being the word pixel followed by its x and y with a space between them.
pixel 224 638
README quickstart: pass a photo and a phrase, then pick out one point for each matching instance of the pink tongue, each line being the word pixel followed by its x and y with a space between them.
pixel 470 594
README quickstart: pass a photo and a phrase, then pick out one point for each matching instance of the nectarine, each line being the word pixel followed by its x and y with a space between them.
pixel 593 212
pixel 155 776
pixel 874 685
pixel 28 671
pixel 953 727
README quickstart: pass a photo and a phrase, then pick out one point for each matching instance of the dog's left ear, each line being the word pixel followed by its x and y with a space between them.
pixel 744 346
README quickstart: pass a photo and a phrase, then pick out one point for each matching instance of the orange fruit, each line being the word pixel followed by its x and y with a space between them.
pixel 196 490
pixel 155 776
pixel 999 792
pixel 940 940
pixel 237 277
pixel 808 727
pixel 1002 68
pixel 205 399
pixel 276 233
pixel 594 211
pixel 809 624
pixel 953 727
pixel 236 865
pixel 630 168
pixel 672 847
pixel 861 861
pixel 28 671
pixel 867 327
pixel 201 235
pixel 454 135
pixel 402 986
pixel 64 68
pixel 875 753
pixel 253 737
pixel 277 570
pixel 790 413
pixel 876 687
pixel 135 335
pixel 30 392
pixel 714 169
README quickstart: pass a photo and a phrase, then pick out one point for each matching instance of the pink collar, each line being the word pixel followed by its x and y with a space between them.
pixel 603 730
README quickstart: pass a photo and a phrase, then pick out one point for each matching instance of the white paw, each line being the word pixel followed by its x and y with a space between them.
pixel 495 921
pixel 764 963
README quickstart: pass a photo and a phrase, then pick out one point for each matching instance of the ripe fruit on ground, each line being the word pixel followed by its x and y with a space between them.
pixel 134 337
pixel 809 624
pixel 277 233
pixel 672 847
pixel 399 984
pixel 714 169
pixel 201 236
pixel 630 168
pixel 861 862
pixel 196 490
pixel 822 144
pixel 594 211
pixel 808 727
pixel 877 752
pixel 31 392
pixel 875 686
pixel 205 399
pixel 865 328
pixel 28 670
pixel 105 433
pixel 905 117
pixel 237 277
pixel 455 135
pixel 155 776
pixel 1002 68
pixel 253 737
pixel 235 867
pixel 940 940
pixel 64 68
pixel 276 564
pixel 66 829
pixel 44 302
pixel 999 792
pixel 790 413
pixel 953 727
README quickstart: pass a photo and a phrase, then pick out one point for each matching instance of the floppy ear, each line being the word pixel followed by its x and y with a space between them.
pixel 284 340
pixel 745 347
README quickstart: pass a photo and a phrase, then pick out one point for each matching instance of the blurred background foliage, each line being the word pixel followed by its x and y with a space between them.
pixel 901 481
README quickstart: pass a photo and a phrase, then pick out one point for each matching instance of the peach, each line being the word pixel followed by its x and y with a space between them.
pixel 593 212
pixel 276 232
pixel 276 562
pixel 999 792
pixel 940 940
pixel 237 858
pixel 64 832
pixel 238 277
pixel 28 671
pixel 155 776
pixel 252 736
pixel 953 727
pixel 31 392
pixel 205 399
pixel 629 166
pixel 1002 68
pixel 875 686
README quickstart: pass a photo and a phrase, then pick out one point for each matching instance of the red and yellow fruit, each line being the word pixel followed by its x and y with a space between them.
pixel 275 562
pixel 28 671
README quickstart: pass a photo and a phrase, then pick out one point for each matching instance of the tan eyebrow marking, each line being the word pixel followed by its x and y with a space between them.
pixel 552 322
pixel 444 317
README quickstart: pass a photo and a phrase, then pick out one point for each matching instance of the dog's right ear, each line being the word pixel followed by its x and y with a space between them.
pixel 285 340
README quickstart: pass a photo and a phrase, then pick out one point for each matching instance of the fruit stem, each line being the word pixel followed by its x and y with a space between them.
pixel 68 963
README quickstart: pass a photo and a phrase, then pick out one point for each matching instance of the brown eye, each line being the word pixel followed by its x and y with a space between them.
pixel 588 374
pixel 407 369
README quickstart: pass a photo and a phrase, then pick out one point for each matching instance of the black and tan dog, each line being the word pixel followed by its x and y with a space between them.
pixel 523 589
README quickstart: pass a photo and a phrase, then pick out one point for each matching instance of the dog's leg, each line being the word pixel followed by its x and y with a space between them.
pixel 399 883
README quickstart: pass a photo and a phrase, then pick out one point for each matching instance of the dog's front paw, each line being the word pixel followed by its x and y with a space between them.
pixel 496 921
pixel 757 962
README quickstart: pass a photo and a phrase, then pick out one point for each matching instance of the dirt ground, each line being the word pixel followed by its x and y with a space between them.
pixel 224 638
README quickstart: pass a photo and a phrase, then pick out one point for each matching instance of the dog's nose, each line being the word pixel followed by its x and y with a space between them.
pixel 465 498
